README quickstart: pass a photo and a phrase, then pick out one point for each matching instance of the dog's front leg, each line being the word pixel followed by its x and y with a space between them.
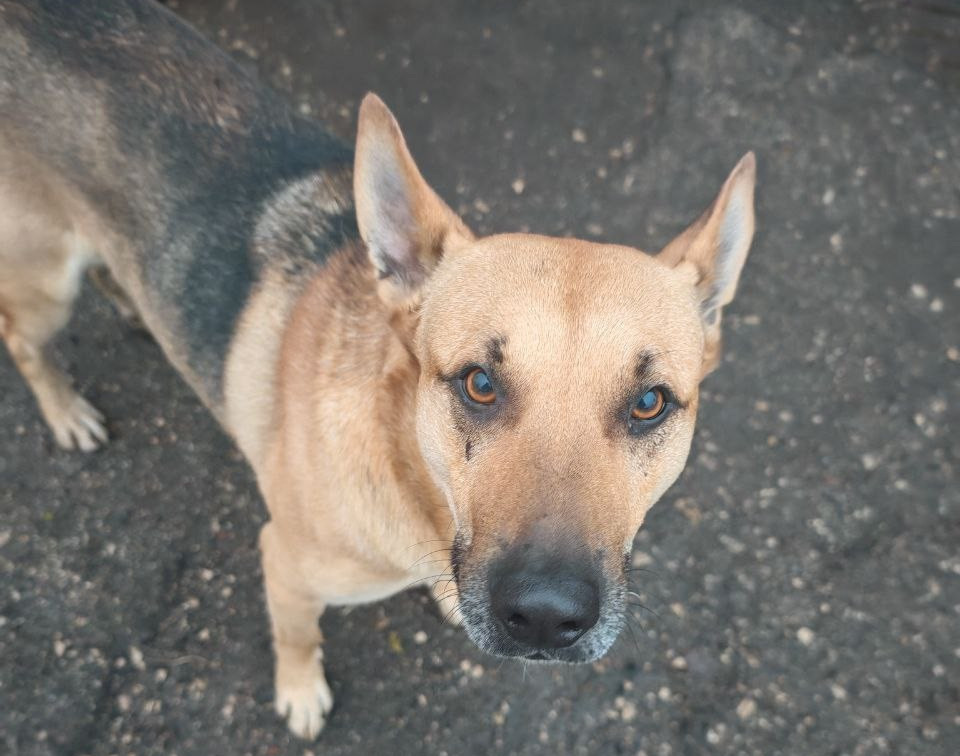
pixel 302 694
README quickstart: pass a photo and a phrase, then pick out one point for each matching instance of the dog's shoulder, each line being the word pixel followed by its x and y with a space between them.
pixel 209 177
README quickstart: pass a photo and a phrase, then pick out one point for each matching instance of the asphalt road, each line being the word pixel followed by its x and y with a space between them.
pixel 804 573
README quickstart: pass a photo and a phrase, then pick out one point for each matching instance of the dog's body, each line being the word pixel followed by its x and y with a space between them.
pixel 398 385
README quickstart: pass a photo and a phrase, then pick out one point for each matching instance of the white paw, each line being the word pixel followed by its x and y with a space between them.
pixel 305 705
pixel 78 425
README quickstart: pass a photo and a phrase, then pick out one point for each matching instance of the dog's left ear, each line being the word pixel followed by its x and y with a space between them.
pixel 714 249
pixel 407 228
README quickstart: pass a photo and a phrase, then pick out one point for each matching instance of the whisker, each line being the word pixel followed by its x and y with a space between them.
pixel 423 580
pixel 634 636
pixel 449 613
pixel 646 608
pixel 642 569
pixel 424 556
pixel 429 540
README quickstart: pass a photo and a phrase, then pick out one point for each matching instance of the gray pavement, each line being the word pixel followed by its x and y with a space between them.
pixel 803 574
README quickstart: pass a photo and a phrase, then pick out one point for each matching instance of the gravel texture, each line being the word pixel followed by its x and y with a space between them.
pixel 803 577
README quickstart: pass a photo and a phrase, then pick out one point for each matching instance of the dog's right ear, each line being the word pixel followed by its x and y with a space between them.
pixel 407 228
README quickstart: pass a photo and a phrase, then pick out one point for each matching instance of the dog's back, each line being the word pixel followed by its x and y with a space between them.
pixel 163 156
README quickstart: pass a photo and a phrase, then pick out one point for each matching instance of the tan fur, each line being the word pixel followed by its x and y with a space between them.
pixel 339 392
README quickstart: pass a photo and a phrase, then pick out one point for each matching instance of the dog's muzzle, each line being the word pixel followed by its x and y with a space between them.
pixel 536 605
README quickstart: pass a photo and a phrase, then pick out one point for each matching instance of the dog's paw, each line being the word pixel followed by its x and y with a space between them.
pixel 304 700
pixel 77 424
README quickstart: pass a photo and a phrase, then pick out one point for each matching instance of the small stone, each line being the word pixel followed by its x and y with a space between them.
pixel 870 461
pixel 839 692
pixel 579 136
pixel 746 708
pixel 829 195
pixel 136 659
pixel 59 647
pixel 918 291
pixel 207 574
pixel 936 305
pixel 641 559
pixel 420 637
pixel 806 636
pixel 732 544
pixel 123 702
pixel 518 186
pixel 664 694
pixel 678 662
pixel 953 354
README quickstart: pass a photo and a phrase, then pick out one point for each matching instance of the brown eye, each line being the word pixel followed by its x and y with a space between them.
pixel 478 387
pixel 649 406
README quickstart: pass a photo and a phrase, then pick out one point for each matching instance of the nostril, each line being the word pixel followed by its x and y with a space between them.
pixel 544 611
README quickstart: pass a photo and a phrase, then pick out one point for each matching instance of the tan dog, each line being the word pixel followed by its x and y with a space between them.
pixel 398 385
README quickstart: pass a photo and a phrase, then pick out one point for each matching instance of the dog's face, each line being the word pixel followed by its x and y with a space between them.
pixel 557 395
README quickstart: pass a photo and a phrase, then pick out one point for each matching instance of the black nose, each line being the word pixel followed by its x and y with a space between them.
pixel 544 611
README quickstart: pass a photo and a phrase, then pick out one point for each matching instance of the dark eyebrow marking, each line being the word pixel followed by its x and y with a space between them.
pixel 495 349
pixel 648 376
pixel 643 370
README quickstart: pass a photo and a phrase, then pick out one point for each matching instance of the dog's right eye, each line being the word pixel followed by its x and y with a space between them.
pixel 478 387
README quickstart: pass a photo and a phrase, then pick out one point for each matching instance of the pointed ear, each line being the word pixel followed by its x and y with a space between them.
pixel 407 228
pixel 714 249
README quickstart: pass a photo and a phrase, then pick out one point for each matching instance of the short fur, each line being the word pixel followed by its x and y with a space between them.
pixel 325 306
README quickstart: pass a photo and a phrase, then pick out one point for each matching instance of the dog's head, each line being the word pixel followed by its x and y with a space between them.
pixel 557 394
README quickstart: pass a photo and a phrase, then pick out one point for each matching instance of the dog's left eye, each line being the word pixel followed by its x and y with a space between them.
pixel 478 387
pixel 649 408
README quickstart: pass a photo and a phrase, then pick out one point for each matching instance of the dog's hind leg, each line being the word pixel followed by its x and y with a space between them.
pixel 41 266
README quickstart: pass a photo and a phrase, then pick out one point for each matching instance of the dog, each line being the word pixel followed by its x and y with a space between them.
pixel 396 382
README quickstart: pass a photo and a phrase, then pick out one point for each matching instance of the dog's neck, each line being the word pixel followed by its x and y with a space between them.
pixel 340 326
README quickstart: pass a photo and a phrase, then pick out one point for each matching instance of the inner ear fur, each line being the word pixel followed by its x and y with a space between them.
pixel 406 227
pixel 715 247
